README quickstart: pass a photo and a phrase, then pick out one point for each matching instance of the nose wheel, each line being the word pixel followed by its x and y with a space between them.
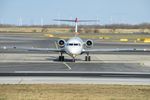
pixel 87 58
pixel 73 59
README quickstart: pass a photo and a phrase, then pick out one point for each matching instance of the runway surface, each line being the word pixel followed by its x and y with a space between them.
pixel 44 42
pixel 25 63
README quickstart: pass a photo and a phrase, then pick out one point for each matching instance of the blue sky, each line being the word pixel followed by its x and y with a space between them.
pixel 107 11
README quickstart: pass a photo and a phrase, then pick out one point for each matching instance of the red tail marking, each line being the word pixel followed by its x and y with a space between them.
pixel 76 20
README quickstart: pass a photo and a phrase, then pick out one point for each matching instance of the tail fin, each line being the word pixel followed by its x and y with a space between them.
pixel 76 22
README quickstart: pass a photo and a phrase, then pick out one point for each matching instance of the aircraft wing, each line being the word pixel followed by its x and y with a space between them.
pixel 116 50
pixel 38 49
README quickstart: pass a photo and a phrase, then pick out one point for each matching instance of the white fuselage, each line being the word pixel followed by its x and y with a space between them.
pixel 74 46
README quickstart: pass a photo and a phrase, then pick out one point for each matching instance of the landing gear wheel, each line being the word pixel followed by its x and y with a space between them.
pixel 61 58
pixel 87 58
pixel 73 60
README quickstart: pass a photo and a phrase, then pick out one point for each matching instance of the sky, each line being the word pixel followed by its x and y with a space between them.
pixel 44 11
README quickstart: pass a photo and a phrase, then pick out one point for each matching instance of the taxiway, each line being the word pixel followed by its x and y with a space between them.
pixel 23 63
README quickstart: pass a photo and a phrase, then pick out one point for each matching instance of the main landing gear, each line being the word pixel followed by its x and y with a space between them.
pixel 61 58
pixel 87 58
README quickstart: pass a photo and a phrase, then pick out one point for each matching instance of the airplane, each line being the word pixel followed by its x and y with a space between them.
pixel 76 46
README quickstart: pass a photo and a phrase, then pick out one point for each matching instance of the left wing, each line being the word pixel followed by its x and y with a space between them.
pixel 116 50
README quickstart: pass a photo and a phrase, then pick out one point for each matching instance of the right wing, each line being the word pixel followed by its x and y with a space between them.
pixel 38 49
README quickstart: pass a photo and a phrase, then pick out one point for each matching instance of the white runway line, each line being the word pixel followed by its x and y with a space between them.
pixel 73 80
pixel 67 65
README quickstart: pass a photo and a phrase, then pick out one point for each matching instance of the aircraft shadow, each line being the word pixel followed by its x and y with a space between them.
pixel 56 59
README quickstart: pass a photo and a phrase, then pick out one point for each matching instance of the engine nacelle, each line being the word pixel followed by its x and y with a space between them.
pixel 61 43
pixel 89 43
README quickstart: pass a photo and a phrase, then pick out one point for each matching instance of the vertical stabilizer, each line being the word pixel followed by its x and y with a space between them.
pixel 76 23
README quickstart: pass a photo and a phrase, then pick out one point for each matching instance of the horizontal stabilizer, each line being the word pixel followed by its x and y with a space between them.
pixel 76 20
pixel 64 20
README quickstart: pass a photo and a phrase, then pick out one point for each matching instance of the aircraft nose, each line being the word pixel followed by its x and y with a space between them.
pixel 74 51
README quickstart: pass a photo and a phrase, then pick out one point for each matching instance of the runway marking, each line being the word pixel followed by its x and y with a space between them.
pixel 67 65
pixel 20 81
pixel 74 80
pixel 63 62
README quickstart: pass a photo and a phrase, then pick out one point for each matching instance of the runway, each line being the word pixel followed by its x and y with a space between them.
pixel 49 62
pixel 103 65
pixel 44 42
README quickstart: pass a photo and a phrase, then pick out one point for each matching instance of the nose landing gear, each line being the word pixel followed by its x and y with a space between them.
pixel 73 59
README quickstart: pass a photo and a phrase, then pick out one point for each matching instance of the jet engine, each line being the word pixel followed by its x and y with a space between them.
pixel 61 43
pixel 89 43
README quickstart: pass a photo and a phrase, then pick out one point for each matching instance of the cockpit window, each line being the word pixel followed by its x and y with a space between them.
pixel 70 44
pixel 75 44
